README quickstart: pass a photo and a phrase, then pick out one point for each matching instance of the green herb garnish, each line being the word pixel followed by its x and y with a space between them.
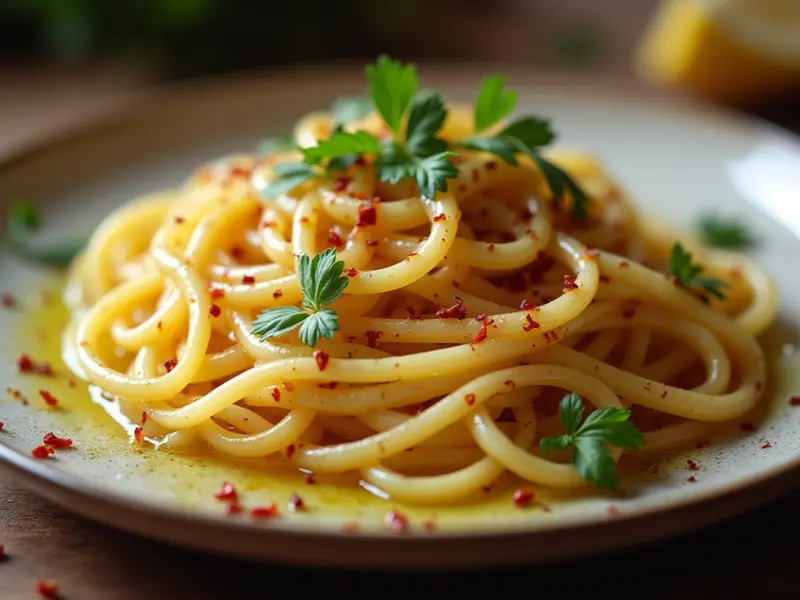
pixel 724 233
pixel 276 144
pixel 525 135
pixel 322 284
pixel 23 221
pixel 588 440
pixel 687 274
pixel 415 118
pixel 350 108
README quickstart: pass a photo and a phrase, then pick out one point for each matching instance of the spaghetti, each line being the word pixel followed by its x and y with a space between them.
pixel 466 317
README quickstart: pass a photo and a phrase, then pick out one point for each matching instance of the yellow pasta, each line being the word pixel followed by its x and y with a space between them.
pixel 427 409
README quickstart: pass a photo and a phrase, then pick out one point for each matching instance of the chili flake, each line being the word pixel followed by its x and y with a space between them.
pixel 569 283
pixel 290 450
pixel 372 243
pixel 2 425
pixel 138 435
pixel 309 479
pixel 372 337
pixel 214 311
pixel 367 215
pixel 248 279
pixel 42 451
pixel 794 401
pixel 766 445
pixel 52 440
pixel 340 184
pixel 170 364
pixel 296 503
pixel 48 398
pixel 439 217
pixel 529 323
pixel 692 479
pixel 321 358
pixel 522 497
pixel 227 493
pixel 277 294
pixel 25 363
pixel 334 239
pixel 469 399
pixel 276 394
pixel 394 521
pixel 265 512
pixel 351 272
pixel 217 293
pixel 691 465
pixel 456 311
pixel 482 334
pixel 47 588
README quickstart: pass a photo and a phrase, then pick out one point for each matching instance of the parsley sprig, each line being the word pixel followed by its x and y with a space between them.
pixel 414 149
pixel 526 135
pixel 724 233
pixel 23 222
pixel 687 274
pixel 588 440
pixel 322 284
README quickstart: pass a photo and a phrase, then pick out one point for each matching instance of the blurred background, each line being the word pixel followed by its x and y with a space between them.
pixel 73 55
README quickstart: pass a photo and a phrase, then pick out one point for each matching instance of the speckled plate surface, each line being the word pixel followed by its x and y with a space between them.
pixel 676 160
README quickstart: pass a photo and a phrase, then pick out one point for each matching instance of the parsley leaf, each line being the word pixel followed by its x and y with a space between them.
pixel 724 233
pixel 425 119
pixel 276 144
pixel 493 102
pixel 350 108
pixel 590 456
pixel 342 144
pixel 289 176
pixel 392 86
pixel 559 181
pixel 322 283
pixel 23 221
pixel 430 173
pixel 687 274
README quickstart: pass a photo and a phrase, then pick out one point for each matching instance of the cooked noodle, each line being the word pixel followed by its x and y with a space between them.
pixel 414 404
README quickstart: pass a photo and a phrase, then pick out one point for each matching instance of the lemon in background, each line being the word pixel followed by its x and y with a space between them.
pixel 733 51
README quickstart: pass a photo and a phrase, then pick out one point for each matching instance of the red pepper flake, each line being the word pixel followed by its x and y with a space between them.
pixel 309 479
pixel 179 220
pixel 3 555
pixel 276 394
pixel 171 364
pixel 234 508
pixel 45 368
pixel 240 172
pixel 569 283
pixel 227 493
pixel 340 184
pixel 522 498
pixel 217 293
pixel 530 324
pixel 331 385
pixel 510 383
pixel 248 279
pixel 490 247
pixel 47 588
pixel 692 479
pixel 624 264
pixel 409 256
pixel 372 337
pixel 268 224
pixel 351 272
pixel 691 465
pixel 367 215
pixel 7 300
pixel 491 165
pixel 394 521
pixel 296 503
pixel 766 445
pixel 747 426
pixel 372 243
pixel 214 311
pixel 138 435
pixel 481 317
pixel 25 364
pixel 143 420
pixel 277 294
pixel 304 220
pixel 794 401
pixel 321 358
pixel 48 398
pixel 236 252
pixel 412 314
pixel 551 336
pixel 469 399
pixel 526 305
pixel 334 239
pixel 604 279
pixel 350 527
pixel 482 334
pixel 456 311
pixel 2 425
pixel 52 440
pixel 439 217
pixel 628 313
pixel 290 450
pixel 265 512
pixel 42 451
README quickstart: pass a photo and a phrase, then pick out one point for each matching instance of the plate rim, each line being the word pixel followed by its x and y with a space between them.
pixel 128 110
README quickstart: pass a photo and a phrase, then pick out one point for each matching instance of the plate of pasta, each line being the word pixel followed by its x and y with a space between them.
pixel 484 320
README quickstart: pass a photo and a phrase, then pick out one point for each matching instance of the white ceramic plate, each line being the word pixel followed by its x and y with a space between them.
pixel 677 160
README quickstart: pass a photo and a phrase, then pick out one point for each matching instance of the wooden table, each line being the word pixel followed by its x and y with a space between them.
pixel 753 556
